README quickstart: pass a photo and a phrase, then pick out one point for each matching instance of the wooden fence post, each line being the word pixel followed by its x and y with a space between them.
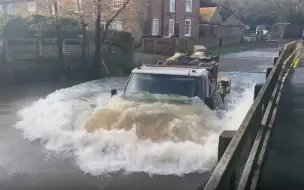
pixel 143 45
pixel 154 47
pixel 224 141
pixel 257 89
pixel 275 59
pixel 268 71
pixel 174 42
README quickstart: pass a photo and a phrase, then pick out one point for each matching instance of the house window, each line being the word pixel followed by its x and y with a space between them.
pixel 187 27
pixel 10 9
pixel 116 25
pixel 117 4
pixel 103 25
pixel 53 9
pixel 188 5
pixel 31 6
pixel 57 3
pixel 155 27
pixel 171 27
pixel 172 5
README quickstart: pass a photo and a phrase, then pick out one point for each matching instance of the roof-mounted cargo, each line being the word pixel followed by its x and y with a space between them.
pixel 195 60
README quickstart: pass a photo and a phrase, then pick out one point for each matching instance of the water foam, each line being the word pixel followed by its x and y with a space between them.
pixel 158 122
pixel 59 120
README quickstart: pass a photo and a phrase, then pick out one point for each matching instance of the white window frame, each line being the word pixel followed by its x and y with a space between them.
pixel 171 27
pixel 189 6
pixel 188 34
pixel 103 23
pixel 10 9
pixel 116 25
pixel 155 27
pixel 53 7
pixel 117 4
pixel 172 6
pixel 31 6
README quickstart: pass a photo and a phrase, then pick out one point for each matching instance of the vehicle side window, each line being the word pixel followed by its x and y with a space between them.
pixel 204 86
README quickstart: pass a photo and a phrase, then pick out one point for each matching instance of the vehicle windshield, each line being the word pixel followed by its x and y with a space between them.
pixel 164 84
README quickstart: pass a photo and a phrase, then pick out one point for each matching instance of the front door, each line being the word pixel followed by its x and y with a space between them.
pixel 176 30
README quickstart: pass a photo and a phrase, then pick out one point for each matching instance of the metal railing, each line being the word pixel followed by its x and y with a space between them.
pixel 239 166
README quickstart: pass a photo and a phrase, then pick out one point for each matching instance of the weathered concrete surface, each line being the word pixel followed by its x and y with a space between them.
pixel 284 158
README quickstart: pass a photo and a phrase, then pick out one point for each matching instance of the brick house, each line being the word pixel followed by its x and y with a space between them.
pixel 174 16
pixel 159 18
pixel 141 17
pixel 13 7
pixel 209 18
pixel 125 20
pixel 28 7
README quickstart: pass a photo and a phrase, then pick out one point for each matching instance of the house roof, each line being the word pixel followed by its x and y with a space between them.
pixel 233 20
pixel 207 12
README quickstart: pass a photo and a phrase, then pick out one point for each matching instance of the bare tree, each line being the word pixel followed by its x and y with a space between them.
pixel 226 7
pixel 240 8
pixel 51 8
pixel 255 9
pixel 109 10
pixel 55 10
pixel 81 10
pixel 84 20
pixel 90 11
pixel 296 11
pixel 278 9
pixel 271 10
pixel 275 9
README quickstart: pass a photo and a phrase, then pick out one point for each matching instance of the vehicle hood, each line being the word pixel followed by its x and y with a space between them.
pixel 162 98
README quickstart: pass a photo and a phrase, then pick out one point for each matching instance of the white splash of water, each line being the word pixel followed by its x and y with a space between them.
pixel 59 119
pixel 236 115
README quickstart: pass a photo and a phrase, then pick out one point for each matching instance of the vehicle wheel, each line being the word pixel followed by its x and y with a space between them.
pixel 219 102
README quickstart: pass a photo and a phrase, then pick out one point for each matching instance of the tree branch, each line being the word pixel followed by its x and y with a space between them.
pixel 111 20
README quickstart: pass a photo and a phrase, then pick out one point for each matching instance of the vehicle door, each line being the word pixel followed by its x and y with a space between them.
pixel 209 92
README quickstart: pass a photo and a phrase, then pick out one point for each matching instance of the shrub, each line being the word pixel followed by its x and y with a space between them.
pixel 16 27
pixel 122 38
pixel 38 25
pixel 4 18
pixel 121 59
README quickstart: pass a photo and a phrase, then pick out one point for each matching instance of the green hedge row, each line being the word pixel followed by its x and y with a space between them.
pixel 44 26
pixel 37 26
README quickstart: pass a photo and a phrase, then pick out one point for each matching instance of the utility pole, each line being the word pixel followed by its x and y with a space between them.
pixel 162 19
pixel 175 26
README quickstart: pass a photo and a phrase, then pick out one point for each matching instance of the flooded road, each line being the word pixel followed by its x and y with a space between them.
pixel 42 143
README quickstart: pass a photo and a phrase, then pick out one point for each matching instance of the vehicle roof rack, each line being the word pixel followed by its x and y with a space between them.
pixel 199 65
